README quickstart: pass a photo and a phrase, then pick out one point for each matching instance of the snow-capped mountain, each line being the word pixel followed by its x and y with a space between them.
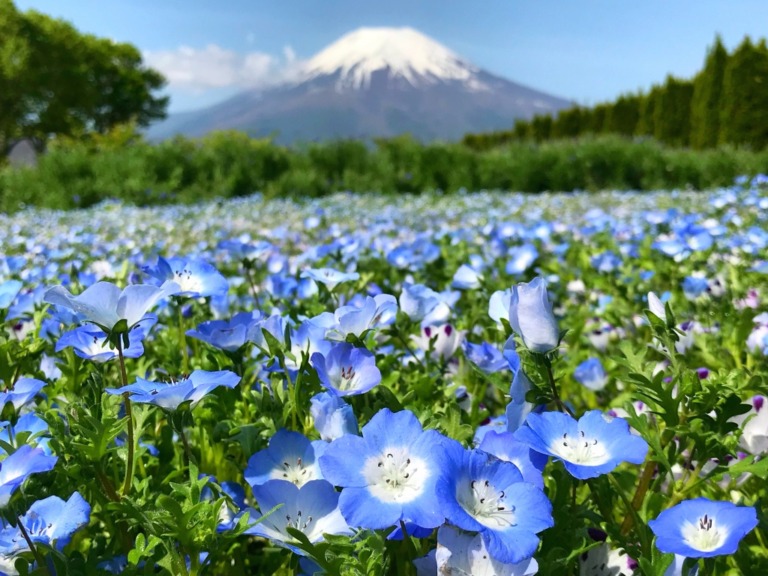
pixel 373 82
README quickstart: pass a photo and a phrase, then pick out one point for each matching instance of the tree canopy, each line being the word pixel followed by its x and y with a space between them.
pixel 725 103
pixel 56 81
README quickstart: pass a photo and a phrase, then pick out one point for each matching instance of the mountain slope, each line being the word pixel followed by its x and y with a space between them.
pixel 370 83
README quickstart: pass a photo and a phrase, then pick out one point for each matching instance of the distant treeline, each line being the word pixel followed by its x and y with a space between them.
pixel 229 164
pixel 725 103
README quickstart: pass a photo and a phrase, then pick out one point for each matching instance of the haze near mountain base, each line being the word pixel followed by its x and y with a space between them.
pixel 373 82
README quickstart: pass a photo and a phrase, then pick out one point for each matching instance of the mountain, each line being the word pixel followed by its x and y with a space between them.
pixel 373 82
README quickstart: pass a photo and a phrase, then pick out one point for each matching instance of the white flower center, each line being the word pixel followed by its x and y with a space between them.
pixel 703 535
pixel 347 380
pixel 98 346
pixel 580 450
pixel 187 281
pixel 485 504
pixel 395 475
pixel 295 471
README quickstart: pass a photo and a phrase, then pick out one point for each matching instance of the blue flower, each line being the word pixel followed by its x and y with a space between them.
pixel 92 343
pixel 23 391
pixel 701 528
pixel 531 317
pixel 374 312
pixel 346 370
pixel 8 291
pixel 228 335
pixel 105 304
pixel 506 447
pixel 485 356
pixel 422 303
pixel 521 258
pixel 484 494
pixel 290 456
pixel 30 423
pixel 465 553
pixel 591 374
pixel 15 469
pixel 328 276
pixel 589 447
pixel 50 521
pixel 312 509
pixel 466 278
pixel 169 395
pixel 332 416
pixel 389 474
pixel 194 276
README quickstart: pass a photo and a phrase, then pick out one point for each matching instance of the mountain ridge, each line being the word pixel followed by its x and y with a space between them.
pixel 373 82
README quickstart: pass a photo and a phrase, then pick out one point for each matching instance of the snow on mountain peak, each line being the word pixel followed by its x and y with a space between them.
pixel 407 53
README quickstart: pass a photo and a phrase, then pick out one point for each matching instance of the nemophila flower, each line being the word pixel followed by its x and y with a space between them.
pixel 498 305
pixel 195 277
pixel 92 343
pixel 24 390
pixel 521 258
pixel 695 286
pixel 15 469
pixel 330 277
pixel 228 335
pixel 170 395
pixel 8 291
pixel 33 425
pixel 461 552
pixel 483 494
pixel 375 312
pixel 388 474
pixel 485 356
pixel 51 521
pixel 466 278
pixel 332 416
pixel 591 374
pixel 312 508
pixel 442 340
pixel 531 317
pixel 493 424
pixel 308 339
pixel 589 447
pixel 423 304
pixel 754 434
pixel 105 305
pixel 603 560
pixel 346 370
pixel 656 306
pixel 290 456
pixel 701 528
pixel 506 447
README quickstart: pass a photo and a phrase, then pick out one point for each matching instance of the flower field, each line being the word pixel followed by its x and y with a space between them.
pixel 483 383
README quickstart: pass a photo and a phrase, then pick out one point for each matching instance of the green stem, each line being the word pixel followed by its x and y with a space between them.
pixel 252 284
pixel 128 482
pixel 183 341
pixel 185 443
pixel 553 386
pixel 38 558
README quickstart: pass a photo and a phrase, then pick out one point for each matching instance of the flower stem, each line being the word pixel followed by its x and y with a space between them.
pixel 38 558
pixel 252 284
pixel 553 386
pixel 128 482
pixel 183 341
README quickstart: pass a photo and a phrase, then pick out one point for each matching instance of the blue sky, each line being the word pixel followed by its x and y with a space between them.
pixel 588 51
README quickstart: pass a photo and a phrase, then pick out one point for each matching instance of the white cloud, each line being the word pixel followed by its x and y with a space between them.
pixel 201 69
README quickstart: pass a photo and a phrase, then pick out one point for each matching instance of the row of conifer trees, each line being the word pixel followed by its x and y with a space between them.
pixel 725 103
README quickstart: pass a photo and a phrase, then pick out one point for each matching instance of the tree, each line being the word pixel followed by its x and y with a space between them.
pixel 55 81
pixel 744 117
pixel 707 98
pixel 623 115
pixel 672 112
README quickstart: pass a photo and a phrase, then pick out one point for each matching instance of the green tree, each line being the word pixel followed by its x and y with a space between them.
pixel 744 116
pixel 672 112
pixel 707 98
pixel 568 124
pixel 623 115
pixel 55 81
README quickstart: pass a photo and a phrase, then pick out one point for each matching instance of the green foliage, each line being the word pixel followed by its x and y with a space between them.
pixel 121 165
pixel 707 98
pixel 745 100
